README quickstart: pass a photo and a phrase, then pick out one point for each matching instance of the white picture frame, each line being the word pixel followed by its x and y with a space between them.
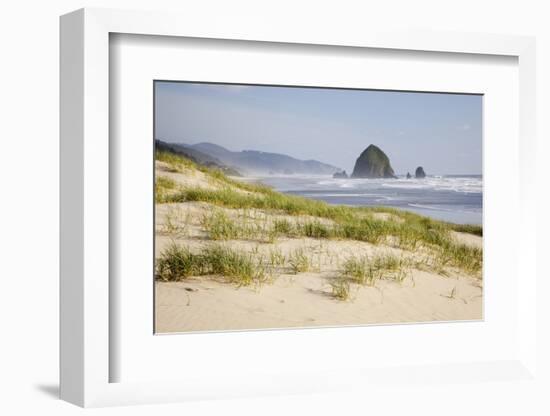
pixel 86 355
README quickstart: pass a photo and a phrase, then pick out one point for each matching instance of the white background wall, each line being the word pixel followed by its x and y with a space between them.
pixel 29 204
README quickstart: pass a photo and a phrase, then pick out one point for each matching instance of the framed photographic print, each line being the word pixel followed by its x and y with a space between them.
pixel 255 212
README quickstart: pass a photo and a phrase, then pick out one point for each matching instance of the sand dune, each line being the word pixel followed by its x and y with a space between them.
pixel 305 299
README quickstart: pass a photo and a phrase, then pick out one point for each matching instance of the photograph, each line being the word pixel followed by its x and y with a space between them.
pixel 281 207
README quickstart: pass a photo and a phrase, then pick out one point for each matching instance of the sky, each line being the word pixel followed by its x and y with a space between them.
pixel 441 132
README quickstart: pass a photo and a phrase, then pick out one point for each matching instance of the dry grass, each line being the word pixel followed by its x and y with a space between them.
pixel 243 269
pixel 400 229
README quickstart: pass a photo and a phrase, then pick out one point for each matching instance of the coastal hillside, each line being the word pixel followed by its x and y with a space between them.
pixel 253 162
pixel 196 156
pixel 232 254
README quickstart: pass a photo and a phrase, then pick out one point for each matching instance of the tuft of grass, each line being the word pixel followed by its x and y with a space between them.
pixel 163 187
pixel 176 163
pixel 282 227
pixel 365 229
pixel 462 256
pixel 366 271
pixel 452 294
pixel 299 261
pixel 391 267
pixel 467 228
pixel 175 223
pixel 276 257
pixel 358 270
pixel 219 226
pixel 238 268
pixel 177 263
pixel 315 229
pixel 341 288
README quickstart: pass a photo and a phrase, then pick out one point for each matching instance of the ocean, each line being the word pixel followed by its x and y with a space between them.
pixel 453 198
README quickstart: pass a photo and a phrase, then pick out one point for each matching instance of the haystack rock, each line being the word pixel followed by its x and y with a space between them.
pixel 419 173
pixel 373 163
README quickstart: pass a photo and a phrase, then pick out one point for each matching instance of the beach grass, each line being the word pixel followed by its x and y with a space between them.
pixel 467 258
pixel 299 261
pixel 276 257
pixel 283 227
pixel 163 186
pixel 177 263
pixel 341 288
pixel 467 228
pixel 366 270
pixel 414 233
pixel 175 223
pixel 181 164
pixel 269 199
pixel 314 229
pixel 219 226
pixel 316 219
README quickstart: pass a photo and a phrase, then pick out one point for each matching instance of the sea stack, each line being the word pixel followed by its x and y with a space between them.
pixel 408 175
pixel 373 163
pixel 420 174
pixel 340 175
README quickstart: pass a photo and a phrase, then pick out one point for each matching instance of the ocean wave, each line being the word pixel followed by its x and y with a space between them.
pixel 336 195
pixel 465 185
pixel 439 208
pixel 422 206
pixel 436 183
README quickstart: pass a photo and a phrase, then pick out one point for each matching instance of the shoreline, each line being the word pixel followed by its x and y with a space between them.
pixel 334 195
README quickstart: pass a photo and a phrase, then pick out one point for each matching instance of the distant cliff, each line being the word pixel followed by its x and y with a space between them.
pixel 257 162
pixel 373 163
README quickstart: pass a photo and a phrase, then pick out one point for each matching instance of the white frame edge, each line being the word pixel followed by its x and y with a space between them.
pixel 84 159
pixel 71 346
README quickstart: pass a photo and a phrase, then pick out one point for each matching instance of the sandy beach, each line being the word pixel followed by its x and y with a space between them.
pixel 289 298
pixel 305 300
